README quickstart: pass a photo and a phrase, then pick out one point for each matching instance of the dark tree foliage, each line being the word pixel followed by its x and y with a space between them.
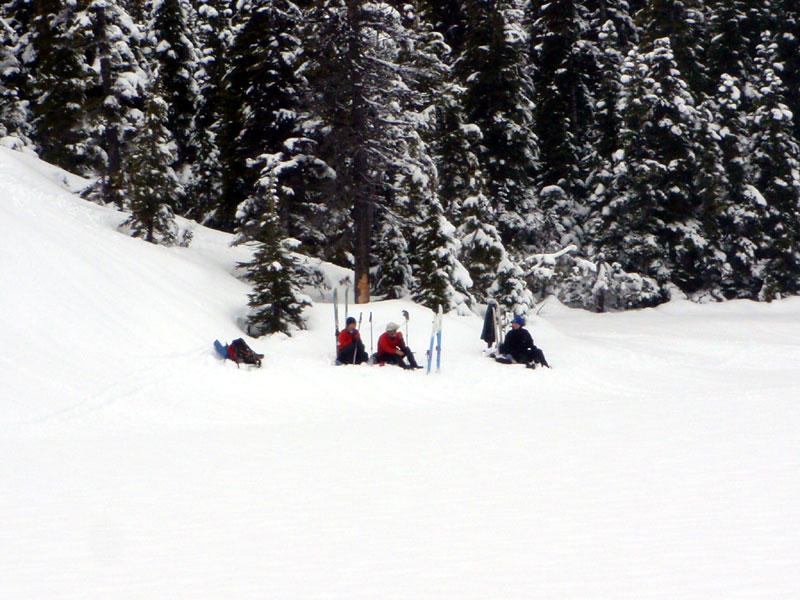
pixel 776 162
pixel 151 185
pixel 61 86
pixel 611 152
pixel 258 98
pixel 498 99
pixel 684 22
pixel 176 54
pixel 15 117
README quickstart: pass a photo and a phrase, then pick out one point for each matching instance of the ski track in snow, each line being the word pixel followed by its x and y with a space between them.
pixel 659 458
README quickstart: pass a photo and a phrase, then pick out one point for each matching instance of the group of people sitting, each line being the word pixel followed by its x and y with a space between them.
pixel 392 348
pixel 517 346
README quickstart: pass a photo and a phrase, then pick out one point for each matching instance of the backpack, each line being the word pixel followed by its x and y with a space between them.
pixel 240 352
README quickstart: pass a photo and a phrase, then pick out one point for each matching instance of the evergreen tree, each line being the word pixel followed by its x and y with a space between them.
pixel 448 18
pixel 259 97
pixel 174 48
pixel 206 186
pixel 14 109
pixel 150 184
pixel 510 289
pixel 114 102
pixel 493 70
pixel 481 247
pixel 276 299
pixel 59 81
pixel 776 162
pixel 442 279
pixel 564 64
pixel 614 34
pixel 684 23
pixel 393 276
pixel 788 40
pixel 612 49
pixel 366 105
pixel 654 223
pixel 733 29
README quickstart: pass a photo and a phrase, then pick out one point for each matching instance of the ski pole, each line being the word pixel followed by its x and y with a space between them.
pixel 355 340
pixel 370 332
pixel 405 316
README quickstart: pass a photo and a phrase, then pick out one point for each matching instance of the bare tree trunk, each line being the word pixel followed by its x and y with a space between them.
pixel 363 241
pixel 359 176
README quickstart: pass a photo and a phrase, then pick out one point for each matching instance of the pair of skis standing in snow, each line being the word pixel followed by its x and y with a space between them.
pixel 392 348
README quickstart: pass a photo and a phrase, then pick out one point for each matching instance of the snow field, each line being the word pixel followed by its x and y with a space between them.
pixel 660 458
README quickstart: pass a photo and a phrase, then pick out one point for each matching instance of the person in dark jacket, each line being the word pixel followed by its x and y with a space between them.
pixel 351 349
pixel 519 345
pixel 393 350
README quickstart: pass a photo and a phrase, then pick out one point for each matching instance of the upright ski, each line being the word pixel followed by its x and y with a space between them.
pixel 439 339
pixel 336 321
pixel 430 347
pixel 436 341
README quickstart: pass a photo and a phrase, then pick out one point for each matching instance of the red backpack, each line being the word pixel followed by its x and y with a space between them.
pixel 240 352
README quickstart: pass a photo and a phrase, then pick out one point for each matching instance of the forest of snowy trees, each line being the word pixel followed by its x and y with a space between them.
pixel 611 152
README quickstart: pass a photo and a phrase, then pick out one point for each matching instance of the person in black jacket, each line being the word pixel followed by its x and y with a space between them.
pixel 519 345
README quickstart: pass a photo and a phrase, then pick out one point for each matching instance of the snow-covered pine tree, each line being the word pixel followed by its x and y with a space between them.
pixel 442 279
pixel 151 186
pixel 612 49
pixel 112 54
pixel 447 17
pixel 493 70
pixel 463 193
pixel 59 78
pixel 733 32
pixel 684 22
pixel 366 111
pixel 276 301
pixel 392 276
pixel 613 34
pixel 564 65
pixel 15 117
pixel 259 96
pixel 651 224
pixel 788 40
pixel 173 46
pixel 213 35
pixel 455 144
pixel 510 289
pixel 776 162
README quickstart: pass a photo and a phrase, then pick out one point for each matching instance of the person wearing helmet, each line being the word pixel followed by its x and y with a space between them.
pixel 393 350
pixel 518 345
pixel 351 349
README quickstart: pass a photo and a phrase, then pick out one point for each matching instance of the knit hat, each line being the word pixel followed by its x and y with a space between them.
pixel 519 320
pixel 350 320
pixel 392 326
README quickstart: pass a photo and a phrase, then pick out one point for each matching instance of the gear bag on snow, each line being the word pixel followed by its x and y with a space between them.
pixel 240 352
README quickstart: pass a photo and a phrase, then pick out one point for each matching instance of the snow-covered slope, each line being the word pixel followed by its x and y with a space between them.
pixel 658 459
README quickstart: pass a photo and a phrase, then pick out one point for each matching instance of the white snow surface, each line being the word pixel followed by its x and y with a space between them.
pixel 659 458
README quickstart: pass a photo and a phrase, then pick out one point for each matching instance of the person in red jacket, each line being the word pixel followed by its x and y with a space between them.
pixel 393 350
pixel 350 348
